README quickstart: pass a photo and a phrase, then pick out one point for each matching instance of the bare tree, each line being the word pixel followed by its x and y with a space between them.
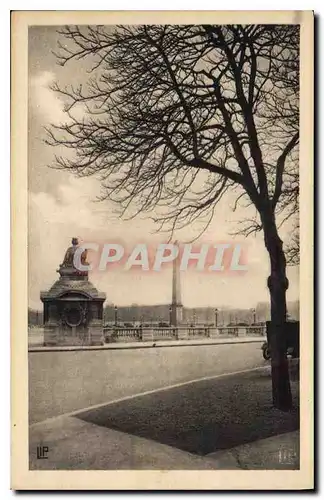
pixel 175 116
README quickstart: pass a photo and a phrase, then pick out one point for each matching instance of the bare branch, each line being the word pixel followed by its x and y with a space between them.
pixel 172 117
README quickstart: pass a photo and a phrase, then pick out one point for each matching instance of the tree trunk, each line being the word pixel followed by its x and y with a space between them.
pixel 277 284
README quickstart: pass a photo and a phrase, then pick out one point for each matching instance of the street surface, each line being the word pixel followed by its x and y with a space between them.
pixel 63 382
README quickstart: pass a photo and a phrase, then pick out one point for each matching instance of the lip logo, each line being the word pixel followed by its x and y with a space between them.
pixel 42 452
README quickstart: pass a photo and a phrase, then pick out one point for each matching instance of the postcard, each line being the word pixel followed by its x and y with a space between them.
pixel 162 250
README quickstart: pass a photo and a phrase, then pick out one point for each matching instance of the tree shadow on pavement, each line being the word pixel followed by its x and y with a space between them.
pixel 206 416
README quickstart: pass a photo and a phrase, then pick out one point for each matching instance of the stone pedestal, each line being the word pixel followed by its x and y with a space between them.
pixel 147 335
pixel 73 309
pixel 96 332
pixel 183 333
pixel 214 333
pixel 51 333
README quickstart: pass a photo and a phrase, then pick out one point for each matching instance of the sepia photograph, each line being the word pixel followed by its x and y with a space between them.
pixel 168 324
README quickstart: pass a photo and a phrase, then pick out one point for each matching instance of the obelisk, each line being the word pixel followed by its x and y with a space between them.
pixel 176 306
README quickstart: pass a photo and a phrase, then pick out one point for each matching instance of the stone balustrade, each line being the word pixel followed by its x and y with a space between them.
pixel 183 332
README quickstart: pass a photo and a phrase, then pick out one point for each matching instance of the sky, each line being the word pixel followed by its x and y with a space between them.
pixel 61 207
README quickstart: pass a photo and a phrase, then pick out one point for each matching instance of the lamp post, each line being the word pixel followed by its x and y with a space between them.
pixel 170 315
pixel 216 317
pixel 254 315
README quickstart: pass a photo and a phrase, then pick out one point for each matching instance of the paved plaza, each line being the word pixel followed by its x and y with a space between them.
pixel 214 413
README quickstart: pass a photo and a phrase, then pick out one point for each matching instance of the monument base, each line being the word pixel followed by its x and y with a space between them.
pixel 56 336
pixel 96 336
pixel 73 307
pixel 50 334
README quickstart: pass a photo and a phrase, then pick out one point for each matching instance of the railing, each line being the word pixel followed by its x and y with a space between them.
pixel 200 331
pixel 136 334
pixel 229 331
pixel 165 333
pixel 156 333
pixel 257 330
pixel 122 334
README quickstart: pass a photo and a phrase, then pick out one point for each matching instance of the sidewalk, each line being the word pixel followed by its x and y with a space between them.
pixel 157 343
pixel 278 452
pixel 77 445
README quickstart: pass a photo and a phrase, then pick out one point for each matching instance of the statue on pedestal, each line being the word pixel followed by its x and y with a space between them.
pixel 73 307
pixel 68 266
